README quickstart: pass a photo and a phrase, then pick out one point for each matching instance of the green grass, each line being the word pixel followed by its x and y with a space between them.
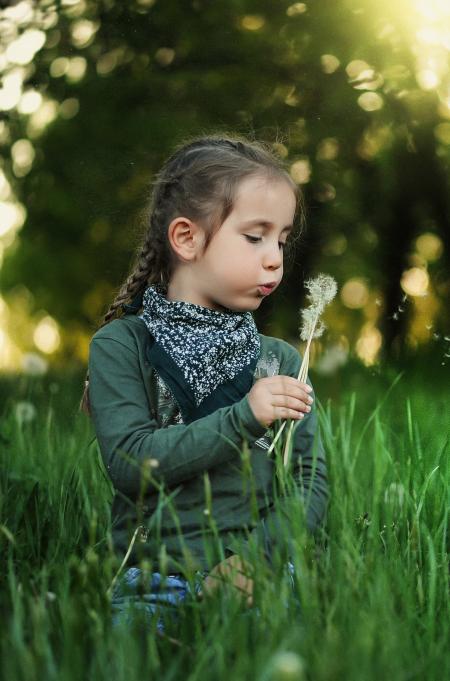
pixel 373 586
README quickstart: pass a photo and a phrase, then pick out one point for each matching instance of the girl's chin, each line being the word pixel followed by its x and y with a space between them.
pixel 252 304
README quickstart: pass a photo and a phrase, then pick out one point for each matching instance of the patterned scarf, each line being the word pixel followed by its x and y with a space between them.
pixel 208 346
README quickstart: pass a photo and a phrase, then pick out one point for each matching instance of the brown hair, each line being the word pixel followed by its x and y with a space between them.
pixel 198 181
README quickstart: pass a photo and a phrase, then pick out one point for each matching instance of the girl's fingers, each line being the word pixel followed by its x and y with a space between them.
pixel 292 403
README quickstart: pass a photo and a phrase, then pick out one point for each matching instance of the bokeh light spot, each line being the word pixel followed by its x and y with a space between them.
pixel 329 63
pixel 296 9
pixel 301 171
pixel 46 335
pixel 252 22
pixel 355 293
pixel 327 149
pixel 415 281
pixel 370 101
pixel 368 344
pixel 430 246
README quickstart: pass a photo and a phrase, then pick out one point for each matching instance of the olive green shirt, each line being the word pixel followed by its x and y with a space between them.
pixel 191 488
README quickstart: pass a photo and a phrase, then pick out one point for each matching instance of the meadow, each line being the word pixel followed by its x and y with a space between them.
pixel 373 586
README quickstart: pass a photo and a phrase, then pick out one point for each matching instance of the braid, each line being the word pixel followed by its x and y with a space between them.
pixel 143 272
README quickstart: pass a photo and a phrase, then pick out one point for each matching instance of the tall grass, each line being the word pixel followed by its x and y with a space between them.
pixel 373 585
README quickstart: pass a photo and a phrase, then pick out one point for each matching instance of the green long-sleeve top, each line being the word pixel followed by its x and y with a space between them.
pixel 191 486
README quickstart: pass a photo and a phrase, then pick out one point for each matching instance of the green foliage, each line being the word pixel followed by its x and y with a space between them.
pixel 157 72
pixel 373 585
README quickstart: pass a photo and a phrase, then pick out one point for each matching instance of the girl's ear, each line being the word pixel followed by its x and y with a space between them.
pixel 186 238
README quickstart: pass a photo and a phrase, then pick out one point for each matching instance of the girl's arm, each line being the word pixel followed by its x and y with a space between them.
pixel 129 436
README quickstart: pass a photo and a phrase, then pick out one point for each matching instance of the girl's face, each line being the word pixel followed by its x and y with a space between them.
pixel 247 251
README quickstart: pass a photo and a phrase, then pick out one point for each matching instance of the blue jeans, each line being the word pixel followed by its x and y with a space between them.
pixel 130 596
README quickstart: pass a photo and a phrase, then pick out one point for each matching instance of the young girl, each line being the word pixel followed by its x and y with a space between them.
pixel 179 377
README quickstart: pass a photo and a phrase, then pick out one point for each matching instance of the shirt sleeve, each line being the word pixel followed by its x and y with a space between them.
pixel 309 472
pixel 129 436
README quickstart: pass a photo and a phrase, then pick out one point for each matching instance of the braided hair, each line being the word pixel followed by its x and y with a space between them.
pixel 199 180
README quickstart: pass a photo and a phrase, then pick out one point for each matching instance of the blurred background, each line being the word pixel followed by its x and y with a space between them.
pixel 353 94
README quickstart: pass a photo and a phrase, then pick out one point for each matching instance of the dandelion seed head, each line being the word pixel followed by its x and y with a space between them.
pixel 308 321
pixel 322 289
pixel 310 325
pixel 320 328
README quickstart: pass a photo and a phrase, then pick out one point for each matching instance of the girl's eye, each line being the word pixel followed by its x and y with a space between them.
pixel 255 239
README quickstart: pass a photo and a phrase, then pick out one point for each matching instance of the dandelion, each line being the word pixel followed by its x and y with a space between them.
pixel 33 364
pixel 288 665
pixel 322 290
pixel 332 359
pixel 25 412
pixel 394 494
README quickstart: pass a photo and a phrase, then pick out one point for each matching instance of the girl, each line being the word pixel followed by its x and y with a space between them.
pixel 179 377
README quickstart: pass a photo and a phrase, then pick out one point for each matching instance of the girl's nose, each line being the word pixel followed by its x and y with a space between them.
pixel 274 258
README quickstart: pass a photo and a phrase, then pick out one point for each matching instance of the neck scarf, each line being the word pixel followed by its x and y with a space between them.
pixel 208 347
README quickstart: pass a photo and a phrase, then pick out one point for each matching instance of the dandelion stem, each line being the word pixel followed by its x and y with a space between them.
pixel 322 290
pixel 302 377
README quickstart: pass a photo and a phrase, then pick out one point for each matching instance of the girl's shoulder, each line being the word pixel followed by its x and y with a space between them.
pixel 128 330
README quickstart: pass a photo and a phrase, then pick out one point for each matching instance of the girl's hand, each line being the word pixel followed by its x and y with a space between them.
pixel 279 397
pixel 235 567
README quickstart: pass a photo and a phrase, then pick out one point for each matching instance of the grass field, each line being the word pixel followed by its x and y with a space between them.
pixel 374 586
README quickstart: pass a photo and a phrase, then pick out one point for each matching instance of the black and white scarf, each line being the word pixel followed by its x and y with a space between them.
pixel 208 346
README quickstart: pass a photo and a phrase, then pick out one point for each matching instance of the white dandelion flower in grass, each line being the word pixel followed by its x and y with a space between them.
pixel 25 412
pixel 288 665
pixel 33 364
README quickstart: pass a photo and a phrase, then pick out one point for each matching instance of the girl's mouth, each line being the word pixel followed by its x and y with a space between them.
pixel 265 290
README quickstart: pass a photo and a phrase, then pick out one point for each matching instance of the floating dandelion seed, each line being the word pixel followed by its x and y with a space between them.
pixel 377 301
pixel 429 326
pixel 395 316
pixel 401 309
pixel 322 289
pixel 436 336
